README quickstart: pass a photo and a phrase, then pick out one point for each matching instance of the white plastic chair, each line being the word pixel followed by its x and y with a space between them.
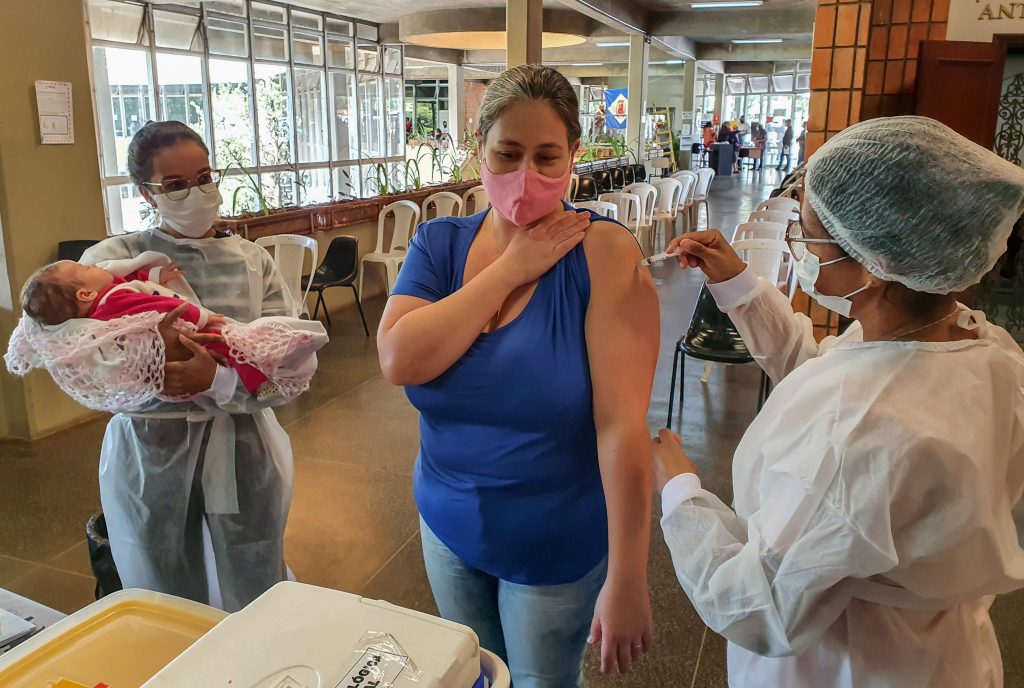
pixel 669 192
pixel 782 204
pixel 475 197
pixel 446 204
pixel 600 207
pixel 570 191
pixel 648 204
pixel 700 197
pixel 772 231
pixel 767 258
pixel 690 181
pixel 772 216
pixel 289 251
pixel 630 213
pixel 407 216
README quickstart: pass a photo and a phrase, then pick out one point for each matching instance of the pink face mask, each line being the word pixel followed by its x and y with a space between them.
pixel 523 196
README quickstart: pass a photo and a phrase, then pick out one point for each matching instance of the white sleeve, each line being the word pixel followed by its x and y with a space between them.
pixel 777 338
pixel 776 583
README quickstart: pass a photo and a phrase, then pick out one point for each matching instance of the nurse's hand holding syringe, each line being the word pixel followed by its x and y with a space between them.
pixel 708 251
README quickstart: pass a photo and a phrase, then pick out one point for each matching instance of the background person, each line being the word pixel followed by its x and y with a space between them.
pixel 785 154
pixel 508 330
pixel 873 493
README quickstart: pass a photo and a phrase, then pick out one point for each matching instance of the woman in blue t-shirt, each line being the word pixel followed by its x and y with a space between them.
pixel 527 339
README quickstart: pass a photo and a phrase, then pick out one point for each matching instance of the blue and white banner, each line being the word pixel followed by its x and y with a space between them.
pixel 616 105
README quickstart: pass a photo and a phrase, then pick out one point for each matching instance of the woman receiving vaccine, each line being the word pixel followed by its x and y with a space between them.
pixel 527 339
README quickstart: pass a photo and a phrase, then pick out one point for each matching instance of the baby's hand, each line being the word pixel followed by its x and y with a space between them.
pixel 170 273
pixel 216 320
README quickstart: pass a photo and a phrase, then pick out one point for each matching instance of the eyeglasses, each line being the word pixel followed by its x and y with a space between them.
pixel 178 188
pixel 796 240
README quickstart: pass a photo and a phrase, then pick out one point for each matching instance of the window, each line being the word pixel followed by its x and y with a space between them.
pixel 291 101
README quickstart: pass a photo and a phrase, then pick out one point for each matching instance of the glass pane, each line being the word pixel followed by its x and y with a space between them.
pixel 339 53
pixel 366 31
pixel 306 21
pixel 758 84
pixel 396 116
pixel 310 115
pixel 124 102
pixel 346 182
pixel 783 83
pixel 129 211
pixel 115 21
pixel 239 196
pixel 278 189
pixel 803 82
pixel 342 28
pixel 307 47
pixel 271 13
pixel 315 186
pixel 734 85
pixel 371 123
pixel 343 100
pixel 227 37
pixel 174 30
pixel 233 7
pixel 269 42
pixel 273 115
pixel 393 60
pixel 181 90
pixel 232 119
pixel 369 58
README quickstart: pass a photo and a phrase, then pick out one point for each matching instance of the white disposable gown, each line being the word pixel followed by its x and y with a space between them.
pixel 873 496
pixel 221 457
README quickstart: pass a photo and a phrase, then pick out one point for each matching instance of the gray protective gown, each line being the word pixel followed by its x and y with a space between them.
pixel 220 457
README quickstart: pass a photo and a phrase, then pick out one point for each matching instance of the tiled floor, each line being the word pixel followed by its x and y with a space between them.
pixel 353 523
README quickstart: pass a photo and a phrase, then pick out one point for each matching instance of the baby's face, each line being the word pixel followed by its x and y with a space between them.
pixel 85 278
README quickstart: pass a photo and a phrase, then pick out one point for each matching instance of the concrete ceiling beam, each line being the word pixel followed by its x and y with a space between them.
pixel 676 46
pixel 729 52
pixel 486 19
pixel 728 24
pixel 619 15
pixel 444 55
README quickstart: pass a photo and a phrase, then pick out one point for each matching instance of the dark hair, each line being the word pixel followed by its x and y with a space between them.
pixel 150 140
pixel 46 300
pixel 531 82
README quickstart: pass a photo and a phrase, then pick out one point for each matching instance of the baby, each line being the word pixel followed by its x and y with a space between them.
pixel 65 290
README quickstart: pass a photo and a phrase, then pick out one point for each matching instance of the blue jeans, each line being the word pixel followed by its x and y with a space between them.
pixel 540 631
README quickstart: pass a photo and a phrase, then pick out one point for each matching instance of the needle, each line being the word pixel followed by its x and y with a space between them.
pixel 664 255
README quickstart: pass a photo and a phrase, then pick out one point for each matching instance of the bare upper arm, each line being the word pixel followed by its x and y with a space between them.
pixel 623 324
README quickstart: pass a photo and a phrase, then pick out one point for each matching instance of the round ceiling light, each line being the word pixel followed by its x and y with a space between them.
pixel 483 28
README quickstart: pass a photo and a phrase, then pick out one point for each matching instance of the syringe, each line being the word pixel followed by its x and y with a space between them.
pixel 658 258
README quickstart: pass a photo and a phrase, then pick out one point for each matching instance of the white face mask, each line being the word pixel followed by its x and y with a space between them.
pixel 193 215
pixel 807 270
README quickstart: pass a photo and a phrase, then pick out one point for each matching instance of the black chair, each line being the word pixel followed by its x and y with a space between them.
pixel 73 250
pixel 710 337
pixel 587 189
pixel 604 181
pixel 618 178
pixel 630 176
pixel 339 269
pixel 639 173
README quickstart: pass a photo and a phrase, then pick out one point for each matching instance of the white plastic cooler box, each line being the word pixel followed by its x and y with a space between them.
pixel 301 636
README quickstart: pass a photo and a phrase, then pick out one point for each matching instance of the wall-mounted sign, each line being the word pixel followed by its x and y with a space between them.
pixel 980 20
pixel 56 115
pixel 616 106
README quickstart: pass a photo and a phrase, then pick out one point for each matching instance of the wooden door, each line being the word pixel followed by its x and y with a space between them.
pixel 959 84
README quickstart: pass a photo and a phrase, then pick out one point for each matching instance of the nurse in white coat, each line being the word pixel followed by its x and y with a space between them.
pixel 871 526
pixel 219 462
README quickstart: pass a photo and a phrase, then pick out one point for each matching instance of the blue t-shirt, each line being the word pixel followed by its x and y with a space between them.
pixel 507 475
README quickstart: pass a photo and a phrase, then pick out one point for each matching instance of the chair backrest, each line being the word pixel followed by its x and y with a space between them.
pixel 629 172
pixel 782 204
pixel 669 191
pixel 475 197
pixel 445 203
pixel 586 189
pixel 407 216
pixel 764 256
pixel 341 264
pixel 760 230
pixel 618 178
pixel 604 181
pixel 648 199
pixel 570 191
pixel 691 190
pixel 707 175
pixel 772 216
pixel 627 206
pixel 601 208
pixel 639 172
pixel 289 252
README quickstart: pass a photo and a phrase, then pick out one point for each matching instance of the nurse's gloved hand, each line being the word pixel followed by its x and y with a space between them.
pixel 708 251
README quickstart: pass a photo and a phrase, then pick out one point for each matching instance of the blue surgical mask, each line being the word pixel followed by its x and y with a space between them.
pixel 807 270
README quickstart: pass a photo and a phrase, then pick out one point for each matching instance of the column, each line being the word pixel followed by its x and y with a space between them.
pixel 456 102
pixel 687 116
pixel 719 96
pixel 524 27
pixel 636 83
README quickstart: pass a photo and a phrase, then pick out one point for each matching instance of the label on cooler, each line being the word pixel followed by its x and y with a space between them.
pixel 375 669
